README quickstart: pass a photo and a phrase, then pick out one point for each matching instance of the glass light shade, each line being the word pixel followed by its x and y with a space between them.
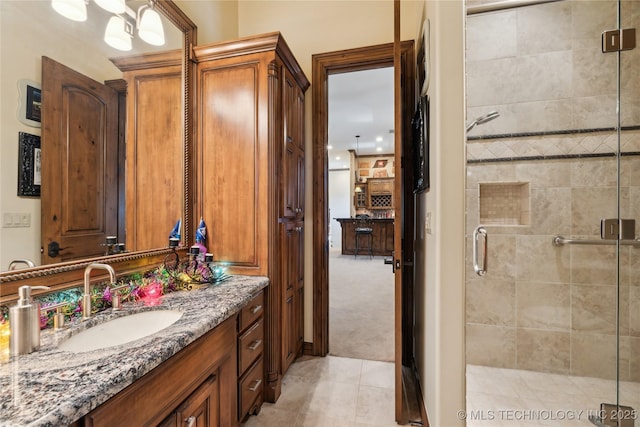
pixel 116 36
pixel 150 28
pixel 113 6
pixel 76 10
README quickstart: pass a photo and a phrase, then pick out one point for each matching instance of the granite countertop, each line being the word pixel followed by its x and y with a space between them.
pixel 51 387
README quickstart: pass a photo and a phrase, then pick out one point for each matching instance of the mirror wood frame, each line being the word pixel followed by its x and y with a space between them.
pixel 70 274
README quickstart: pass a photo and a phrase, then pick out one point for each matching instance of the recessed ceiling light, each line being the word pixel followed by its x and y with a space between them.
pixel 378 139
pixel 329 147
pixel 379 149
pixel 338 158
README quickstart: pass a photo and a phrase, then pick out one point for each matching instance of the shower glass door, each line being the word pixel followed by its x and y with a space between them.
pixel 628 334
pixel 553 318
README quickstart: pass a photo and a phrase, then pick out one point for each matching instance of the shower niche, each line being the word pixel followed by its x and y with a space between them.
pixel 505 203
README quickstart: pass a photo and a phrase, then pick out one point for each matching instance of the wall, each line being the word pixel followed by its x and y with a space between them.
pixel 340 203
pixel 439 275
pixel 542 307
pixel 216 20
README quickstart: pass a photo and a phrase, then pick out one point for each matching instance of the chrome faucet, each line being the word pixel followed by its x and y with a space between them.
pixel 86 299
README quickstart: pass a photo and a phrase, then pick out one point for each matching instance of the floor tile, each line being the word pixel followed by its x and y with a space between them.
pixel 378 374
pixel 376 406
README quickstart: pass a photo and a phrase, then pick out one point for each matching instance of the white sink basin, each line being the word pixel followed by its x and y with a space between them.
pixel 121 330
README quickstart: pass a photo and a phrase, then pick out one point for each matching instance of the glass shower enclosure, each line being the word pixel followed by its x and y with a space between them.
pixel 553 209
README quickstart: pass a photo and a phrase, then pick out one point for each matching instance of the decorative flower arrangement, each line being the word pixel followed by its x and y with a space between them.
pixel 147 288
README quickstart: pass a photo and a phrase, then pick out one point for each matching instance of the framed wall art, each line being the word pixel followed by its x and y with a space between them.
pixel 30 102
pixel 29 165
pixel 423 58
pixel 420 135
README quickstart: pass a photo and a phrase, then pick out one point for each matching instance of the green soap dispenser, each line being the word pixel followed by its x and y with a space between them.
pixel 24 321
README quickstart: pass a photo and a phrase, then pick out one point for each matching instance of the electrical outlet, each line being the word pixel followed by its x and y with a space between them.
pixel 427 223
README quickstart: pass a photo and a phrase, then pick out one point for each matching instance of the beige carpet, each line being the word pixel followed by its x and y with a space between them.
pixel 361 304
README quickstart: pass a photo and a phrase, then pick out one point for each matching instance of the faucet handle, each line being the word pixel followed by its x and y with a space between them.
pixel 116 302
pixel 58 317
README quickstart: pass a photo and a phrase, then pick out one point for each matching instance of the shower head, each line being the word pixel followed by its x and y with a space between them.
pixel 482 119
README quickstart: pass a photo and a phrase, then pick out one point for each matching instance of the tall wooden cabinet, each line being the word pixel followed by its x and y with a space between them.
pixel 250 178
pixel 155 147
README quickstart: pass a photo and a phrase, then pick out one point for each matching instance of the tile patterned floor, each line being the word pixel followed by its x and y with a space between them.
pixel 508 397
pixel 332 392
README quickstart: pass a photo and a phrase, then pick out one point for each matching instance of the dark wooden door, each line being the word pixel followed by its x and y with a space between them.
pixel 79 164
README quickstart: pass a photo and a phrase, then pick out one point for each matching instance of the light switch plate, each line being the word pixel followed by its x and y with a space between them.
pixel 16 220
pixel 427 223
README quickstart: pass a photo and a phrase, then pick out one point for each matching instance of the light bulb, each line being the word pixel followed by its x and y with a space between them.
pixel 150 28
pixel 76 10
pixel 115 35
pixel 113 6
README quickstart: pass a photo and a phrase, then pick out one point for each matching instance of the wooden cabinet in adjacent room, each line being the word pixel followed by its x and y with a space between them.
pixel 380 193
pixel 250 178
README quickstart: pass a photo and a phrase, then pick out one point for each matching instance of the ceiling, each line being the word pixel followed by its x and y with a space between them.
pixel 360 103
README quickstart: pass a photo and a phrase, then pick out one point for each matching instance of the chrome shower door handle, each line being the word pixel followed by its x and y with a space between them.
pixel 480 270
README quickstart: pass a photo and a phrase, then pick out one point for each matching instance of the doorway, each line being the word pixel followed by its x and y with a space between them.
pixel 551 319
pixel 361 156
pixel 341 62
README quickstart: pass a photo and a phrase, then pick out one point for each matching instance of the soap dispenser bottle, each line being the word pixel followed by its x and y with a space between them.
pixel 24 321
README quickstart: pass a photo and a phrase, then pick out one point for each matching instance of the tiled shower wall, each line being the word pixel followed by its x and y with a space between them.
pixel 541 67
pixel 553 308
pixel 544 307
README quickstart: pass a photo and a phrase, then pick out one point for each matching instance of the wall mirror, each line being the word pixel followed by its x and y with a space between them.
pixel 80 46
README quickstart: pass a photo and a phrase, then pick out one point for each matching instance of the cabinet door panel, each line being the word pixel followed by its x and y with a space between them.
pixel 250 345
pixel 229 152
pixel 201 408
pixel 250 389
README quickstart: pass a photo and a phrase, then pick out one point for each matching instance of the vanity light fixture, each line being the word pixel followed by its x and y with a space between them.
pixel 121 27
pixel 76 10
pixel 118 33
pixel 113 6
pixel 150 26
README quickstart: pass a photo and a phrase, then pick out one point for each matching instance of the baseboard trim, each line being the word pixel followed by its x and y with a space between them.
pixel 307 348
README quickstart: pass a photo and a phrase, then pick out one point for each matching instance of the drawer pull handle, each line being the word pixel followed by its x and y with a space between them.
pixel 256 309
pixel 255 386
pixel 254 345
pixel 191 421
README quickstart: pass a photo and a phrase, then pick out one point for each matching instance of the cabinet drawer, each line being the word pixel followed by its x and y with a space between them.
pixel 252 311
pixel 250 345
pixel 250 388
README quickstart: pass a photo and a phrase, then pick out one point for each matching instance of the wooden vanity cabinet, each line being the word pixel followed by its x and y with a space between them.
pixel 250 357
pixel 197 385
pixel 250 177
pixel 200 409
